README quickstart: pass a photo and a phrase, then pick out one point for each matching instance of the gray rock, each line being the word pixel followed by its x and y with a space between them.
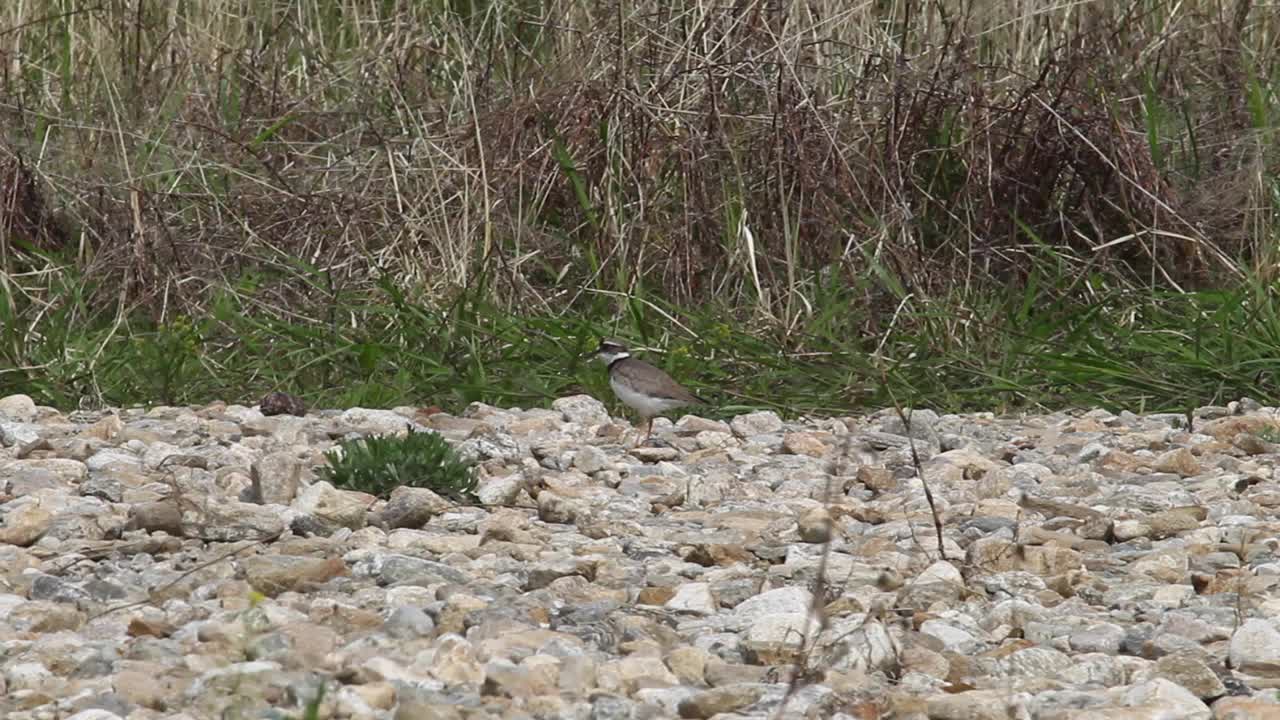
pixel 613 707
pixel 236 521
pixel 581 409
pixel 752 424
pixel 103 488
pixel 113 460
pixel 54 589
pixel 29 476
pixel 407 623
pixel 590 459
pixel 17 434
pixel 160 516
pixel 403 569
pixel 411 507
pixel 923 422
pixel 1102 638
pixel 492 444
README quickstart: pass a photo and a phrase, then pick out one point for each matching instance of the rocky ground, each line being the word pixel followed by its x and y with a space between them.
pixel 186 563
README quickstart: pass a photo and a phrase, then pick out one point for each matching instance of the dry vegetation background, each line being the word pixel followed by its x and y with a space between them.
pixel 813 174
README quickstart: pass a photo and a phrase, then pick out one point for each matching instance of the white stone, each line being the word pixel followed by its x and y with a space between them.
pixel 113 459
pixel 790 599
pixel 761 422
pixel 952 637
pixel 785 627
pixel 1165 693
pixel 94 714
pixel 940 571
pixel 590 459
pixel 379 422
pixel 26 675
pixel 1255 648
pixel 694 597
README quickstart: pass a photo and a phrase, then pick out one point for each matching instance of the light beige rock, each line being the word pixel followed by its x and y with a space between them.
pixel 556 508
pixel 25 524
pixel 815 526
pixel 724 699
pixel 1242 708
pixel 18 408
pixel 344 508
pixel 1180 461
pixel 454 661
pixel 276 478
pixel 626 675
pixel 1188 671
pixel 695 598
pixel 1169 523
pixel 688 663
pixel 804 443
pixel 274 574
pixel 149 689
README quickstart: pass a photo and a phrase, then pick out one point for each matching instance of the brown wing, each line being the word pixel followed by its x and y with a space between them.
pixel 654 381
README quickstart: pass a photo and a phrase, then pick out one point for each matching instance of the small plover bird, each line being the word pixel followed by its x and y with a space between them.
pixel 642 387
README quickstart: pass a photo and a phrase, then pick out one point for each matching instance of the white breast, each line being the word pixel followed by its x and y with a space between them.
pixel 641 403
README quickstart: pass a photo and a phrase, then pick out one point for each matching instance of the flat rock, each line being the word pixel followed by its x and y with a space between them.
pixel 25 524
pixel 724 699
pixel 274 574
pixel 341 508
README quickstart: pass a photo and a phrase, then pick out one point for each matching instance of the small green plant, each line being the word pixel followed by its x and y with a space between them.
pixel 381 463
pixel 1269 433
pixel 311 711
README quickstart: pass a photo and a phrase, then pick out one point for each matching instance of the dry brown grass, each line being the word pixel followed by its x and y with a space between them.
pixel 564 145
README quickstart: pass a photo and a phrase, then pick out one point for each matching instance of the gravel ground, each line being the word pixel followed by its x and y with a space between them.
pixel 187 563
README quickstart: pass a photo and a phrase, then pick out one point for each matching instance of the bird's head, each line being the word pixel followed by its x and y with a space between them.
pixel 611 350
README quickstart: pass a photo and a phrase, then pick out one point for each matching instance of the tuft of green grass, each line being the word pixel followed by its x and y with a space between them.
pixel 311 710
pixel 381 463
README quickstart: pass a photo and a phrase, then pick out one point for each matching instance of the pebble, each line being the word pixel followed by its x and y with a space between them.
pixel 186 562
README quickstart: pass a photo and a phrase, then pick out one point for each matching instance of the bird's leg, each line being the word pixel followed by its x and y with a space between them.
pixel 648 429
